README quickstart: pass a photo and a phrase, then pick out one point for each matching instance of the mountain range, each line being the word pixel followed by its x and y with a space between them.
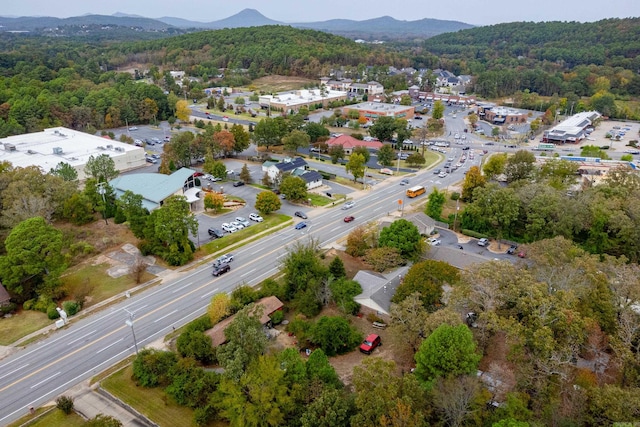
pixel 383 28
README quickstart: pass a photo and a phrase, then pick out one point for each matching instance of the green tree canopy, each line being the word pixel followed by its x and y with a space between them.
pixel 294 188
pixel 355 166
pixel 386 155
pixel 101 168
pixel 267 202
pixel 404 236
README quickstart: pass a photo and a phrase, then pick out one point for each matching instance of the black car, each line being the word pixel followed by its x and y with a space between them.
pixel 300 214
pixel 238 183
pixel 512 249
pixel 219 269
pixel 465 148
pixel 215 233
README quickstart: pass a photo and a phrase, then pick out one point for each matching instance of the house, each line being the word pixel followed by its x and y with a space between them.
pixel 349 143
pixel 269 306
pixel 313 179
pixel 288 165
pixel 5 298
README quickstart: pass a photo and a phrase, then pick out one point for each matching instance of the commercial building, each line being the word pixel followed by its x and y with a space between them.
pixel 352 88
pixel 374 110
pixel 294 100
pixel 501 115
pixel 573 129
pixel 53 146
pixel 349 143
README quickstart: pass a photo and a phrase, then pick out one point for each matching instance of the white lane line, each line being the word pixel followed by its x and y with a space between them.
pixel 336 229
pixel 166 315
pixel 15 370
pixel 209 293
pixel 257 252
pixel 109 346
pixel 82 337
pixel 248 272
pixel 181 288
pixel 377 209
pixel 44 381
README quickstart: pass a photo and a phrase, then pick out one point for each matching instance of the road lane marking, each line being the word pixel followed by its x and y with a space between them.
pixel 209 293
pixel 15 370
pixel 44 381
pixel 109 346
pixel 84 336
pixel 181 287
pixel 166 315
pixel 248 272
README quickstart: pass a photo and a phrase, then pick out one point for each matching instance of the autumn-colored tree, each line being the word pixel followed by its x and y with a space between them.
pixel 214 201
pixel 219 307
pixel 472 180
pixel 225 141
pixel 267 202
pixel 183 112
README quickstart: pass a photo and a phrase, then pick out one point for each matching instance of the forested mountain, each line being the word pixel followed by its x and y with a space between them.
pixel 547 57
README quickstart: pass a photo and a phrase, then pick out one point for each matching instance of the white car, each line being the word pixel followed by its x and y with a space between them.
pixel 237 225
pixel 224 259
pixel 243 221
pixel 229 228
pixel 255 217
pixel 442 175
pixel 434 242
pixel 348 205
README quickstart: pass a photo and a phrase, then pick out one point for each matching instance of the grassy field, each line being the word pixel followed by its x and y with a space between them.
pixel 21 324
pixel 50 418
pixel 151 402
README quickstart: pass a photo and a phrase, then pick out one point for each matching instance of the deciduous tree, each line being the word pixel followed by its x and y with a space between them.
pixel 355 166
pixel 267 202
pixel 404 236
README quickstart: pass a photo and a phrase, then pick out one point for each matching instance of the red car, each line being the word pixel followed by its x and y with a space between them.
pixel 348 218
pixel 370 343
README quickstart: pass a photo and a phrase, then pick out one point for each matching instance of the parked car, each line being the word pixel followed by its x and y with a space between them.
pixel 238 183
pixel 220 269
pixel 138 143
pixel 151 160
pixel 224 259
pixel 483 242
pixel 435 242
pixel 215 233
pixel 300 214
pixel 349 218
pixel 512 249
pixel 242 220
pixel 229 228
pixel 133 128
pixel 255 217
pixel 370 343
pixel 522 254
pixel 301 225
pixel 348 205
pixel 237 225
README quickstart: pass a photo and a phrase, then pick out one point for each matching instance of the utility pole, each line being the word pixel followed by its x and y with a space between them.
pixel 129 322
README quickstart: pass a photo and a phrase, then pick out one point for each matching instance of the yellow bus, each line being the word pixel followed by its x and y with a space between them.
pixel 415 191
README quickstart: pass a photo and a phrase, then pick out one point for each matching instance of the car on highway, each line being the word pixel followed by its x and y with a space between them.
pixel 255 217
pixel 404 182
pixel 442 175
pixel 437 171
pixel 238 183
pixel 215 233
pixel 434 242
pixel 242 220
pixel 301 225
pixel 224 259
pixel 348 218
pixel 300 214
pixel 229 228
pixel 483 242
pixel 348 205
pixel 220 269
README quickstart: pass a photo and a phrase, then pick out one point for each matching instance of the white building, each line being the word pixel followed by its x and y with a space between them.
pixel 50 147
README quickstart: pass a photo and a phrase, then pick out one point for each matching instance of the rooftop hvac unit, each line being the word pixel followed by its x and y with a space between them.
pixel 119 149
pixel 109 147
pixel 100 147
pixel 9 147
pixel 57 150
pixel 31 152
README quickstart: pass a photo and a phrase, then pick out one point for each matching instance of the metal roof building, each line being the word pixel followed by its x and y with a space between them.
pixel 50 147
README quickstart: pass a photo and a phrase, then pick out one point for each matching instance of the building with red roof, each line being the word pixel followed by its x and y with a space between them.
pixel 349 143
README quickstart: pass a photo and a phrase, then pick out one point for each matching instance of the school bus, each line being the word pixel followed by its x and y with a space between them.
pixel 415 191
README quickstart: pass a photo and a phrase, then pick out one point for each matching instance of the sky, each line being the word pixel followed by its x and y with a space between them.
pixel 290 11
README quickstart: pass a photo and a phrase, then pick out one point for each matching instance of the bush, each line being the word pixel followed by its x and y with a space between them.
pixel 29 304
pixel 373 317
pixel 200 324
pixel 277 317
pixel 8 308
pixel 42 303
pixel 71 307
pixel 52 312
pixel 65 404
pixel 151 367
pixel 472 233
pixel 197 345
pixel 455 196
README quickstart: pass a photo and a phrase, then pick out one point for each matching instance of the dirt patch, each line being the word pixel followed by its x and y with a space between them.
pixel 281 83
pixel 351 264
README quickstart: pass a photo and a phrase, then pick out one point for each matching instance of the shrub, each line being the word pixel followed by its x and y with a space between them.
pixel 42 303
pixel 52 312
pixel 8 308
pixel 151 367
pixel 197 345
pixel 71 307
pixel 373 317
pixel 29 304
pixel 65 404
pixel 472 233
pixel 277 317
pixel 455 196
pixel 200 324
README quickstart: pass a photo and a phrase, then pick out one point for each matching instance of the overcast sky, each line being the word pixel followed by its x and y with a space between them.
pixel 468 11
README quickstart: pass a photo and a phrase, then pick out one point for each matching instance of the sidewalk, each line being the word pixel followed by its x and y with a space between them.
pixel 90 401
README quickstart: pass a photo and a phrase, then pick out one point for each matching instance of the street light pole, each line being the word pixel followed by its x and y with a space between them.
pixel 399 156
pixel 102 191
pixel 129 322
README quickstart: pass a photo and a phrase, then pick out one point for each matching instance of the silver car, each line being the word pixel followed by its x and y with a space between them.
pixel 243 221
